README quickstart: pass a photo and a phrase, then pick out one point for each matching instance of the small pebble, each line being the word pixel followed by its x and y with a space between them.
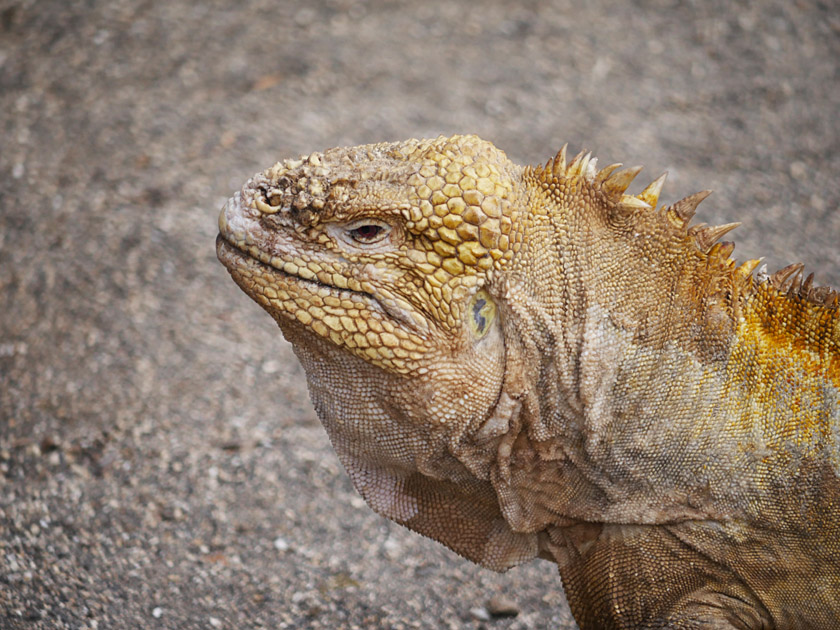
pixel 271 367
pixel 480 613
pixel 501 606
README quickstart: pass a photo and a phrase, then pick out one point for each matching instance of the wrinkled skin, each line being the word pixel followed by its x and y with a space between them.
pixel 527 362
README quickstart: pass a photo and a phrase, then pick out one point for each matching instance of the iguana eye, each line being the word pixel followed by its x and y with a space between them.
pixel 481 313
pixel 369 233
pixel 366 232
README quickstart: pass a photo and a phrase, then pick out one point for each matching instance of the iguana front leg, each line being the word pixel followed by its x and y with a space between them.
pixel 644 577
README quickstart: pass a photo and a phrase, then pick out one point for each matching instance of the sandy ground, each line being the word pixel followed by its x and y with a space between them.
pixel 160 465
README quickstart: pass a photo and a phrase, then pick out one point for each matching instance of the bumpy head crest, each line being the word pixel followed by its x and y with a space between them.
pixel 462 202
pixel 456 193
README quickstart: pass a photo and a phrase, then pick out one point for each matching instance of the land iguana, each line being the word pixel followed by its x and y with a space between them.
pixel 527 362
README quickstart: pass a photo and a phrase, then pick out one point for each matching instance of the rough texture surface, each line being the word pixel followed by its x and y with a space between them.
pixel 523 362
pixel 161 464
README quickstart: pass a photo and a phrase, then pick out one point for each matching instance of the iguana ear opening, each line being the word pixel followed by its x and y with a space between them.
pixel 481 313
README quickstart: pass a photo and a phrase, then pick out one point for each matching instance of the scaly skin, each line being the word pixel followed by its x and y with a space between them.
pixel 527 362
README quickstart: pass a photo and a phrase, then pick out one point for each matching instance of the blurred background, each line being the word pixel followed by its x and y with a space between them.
pixel 160 465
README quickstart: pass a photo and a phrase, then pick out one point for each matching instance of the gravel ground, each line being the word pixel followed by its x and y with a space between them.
pixel 160 465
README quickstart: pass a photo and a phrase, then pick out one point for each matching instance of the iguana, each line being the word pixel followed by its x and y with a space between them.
pixel 527 362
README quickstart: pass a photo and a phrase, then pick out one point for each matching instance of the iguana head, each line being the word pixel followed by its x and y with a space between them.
pixel 380 264
pixel 387 253
pixel 385 250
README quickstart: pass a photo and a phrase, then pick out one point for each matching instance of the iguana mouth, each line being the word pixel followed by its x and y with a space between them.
pixel 234 257
pixel 233 247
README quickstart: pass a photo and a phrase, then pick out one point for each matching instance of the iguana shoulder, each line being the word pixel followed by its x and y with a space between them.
pixel 528 361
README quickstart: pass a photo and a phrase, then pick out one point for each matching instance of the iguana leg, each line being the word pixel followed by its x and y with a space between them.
pixel 630 576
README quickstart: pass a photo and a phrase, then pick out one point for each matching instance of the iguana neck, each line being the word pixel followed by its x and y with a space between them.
pixel 612 298
pixel 641 377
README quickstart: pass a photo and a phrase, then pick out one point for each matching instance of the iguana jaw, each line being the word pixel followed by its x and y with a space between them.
pixel 261 277
pixel 240 229
pixel 241 250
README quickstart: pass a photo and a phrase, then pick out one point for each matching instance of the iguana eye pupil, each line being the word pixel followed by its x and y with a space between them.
pixel 367 233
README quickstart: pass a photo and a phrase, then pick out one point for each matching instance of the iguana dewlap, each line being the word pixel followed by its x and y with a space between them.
pixel 528 362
